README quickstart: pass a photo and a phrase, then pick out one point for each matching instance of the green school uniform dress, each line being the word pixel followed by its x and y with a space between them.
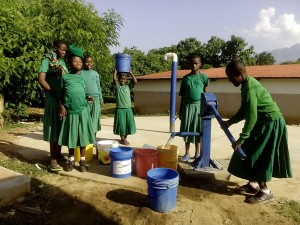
pixel 54 68
pixel 190 91
pixel 124 123
pixel 263 137
pixel 93 88
pixel 76 128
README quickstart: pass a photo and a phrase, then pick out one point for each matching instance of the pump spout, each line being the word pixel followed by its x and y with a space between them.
pixel 172 56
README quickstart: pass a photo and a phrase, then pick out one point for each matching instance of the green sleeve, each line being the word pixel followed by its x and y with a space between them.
pixel 44 67
pixel 181 90
pixel 250 109
pixel 237 117
pixel 99 87
pixel 61 91
pixel 206 82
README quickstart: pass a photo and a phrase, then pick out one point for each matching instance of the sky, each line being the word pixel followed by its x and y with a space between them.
pixel 152 24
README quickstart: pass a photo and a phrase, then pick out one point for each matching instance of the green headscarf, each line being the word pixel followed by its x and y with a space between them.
pixel 74 50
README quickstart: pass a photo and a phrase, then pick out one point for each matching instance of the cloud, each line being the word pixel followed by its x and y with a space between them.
pixel 272 32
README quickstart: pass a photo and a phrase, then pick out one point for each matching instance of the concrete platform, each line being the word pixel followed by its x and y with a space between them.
pixel 219 173
pixel 154 131
pixel 12 186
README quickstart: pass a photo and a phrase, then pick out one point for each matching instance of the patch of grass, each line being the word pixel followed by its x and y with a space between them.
pixel 21 167
pixel 289 209
pixel 107 106
pixel 12 125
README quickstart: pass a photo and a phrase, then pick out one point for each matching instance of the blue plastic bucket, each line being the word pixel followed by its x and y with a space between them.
pixel 123 63
pixel 120 161
pixel 162 189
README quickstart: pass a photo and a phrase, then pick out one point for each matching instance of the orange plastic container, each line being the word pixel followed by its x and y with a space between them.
pixel 168 156
pixel 145 159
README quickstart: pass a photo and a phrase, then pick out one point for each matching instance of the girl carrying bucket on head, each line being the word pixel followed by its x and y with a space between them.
pixel 124 123
pixel 52 68
pixel 93 89
pixel 76 127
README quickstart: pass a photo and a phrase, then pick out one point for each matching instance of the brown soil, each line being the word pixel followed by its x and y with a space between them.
pixel 68 200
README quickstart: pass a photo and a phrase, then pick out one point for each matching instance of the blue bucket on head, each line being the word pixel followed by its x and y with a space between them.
pixel 162 189
pixel 123 63
pixel 120 161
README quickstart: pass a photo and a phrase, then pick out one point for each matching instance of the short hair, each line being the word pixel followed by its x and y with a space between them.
pixel 87 56
pixel 59 42
pixel 194 56
pixel 121 74
pixel 235 67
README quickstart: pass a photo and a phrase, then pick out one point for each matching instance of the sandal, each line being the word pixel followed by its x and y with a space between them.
pixel 186 157
pixel 197 156
pixel 53 168
pixel 247 189
pixel 261 197
pixel 124 142
pixel 82 166
pixel 70 166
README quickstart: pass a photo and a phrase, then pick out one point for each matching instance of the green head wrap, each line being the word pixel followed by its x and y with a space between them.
pixel 74 50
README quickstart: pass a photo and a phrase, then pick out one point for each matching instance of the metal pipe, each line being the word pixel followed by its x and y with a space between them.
pixel 184 134
pixel 227 132
pixel 173 89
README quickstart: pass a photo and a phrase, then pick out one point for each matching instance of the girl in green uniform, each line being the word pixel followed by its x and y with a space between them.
pixel 93 90
pixel 52 68
pixel 192 85
pixel 76 129
pixel 263 137
pixel 124 123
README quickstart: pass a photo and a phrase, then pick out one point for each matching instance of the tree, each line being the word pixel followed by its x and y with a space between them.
pixel 235 48
pixel 213 52
pixel 291 62
pixel 187 47
pixel 264 58
pixel 152 62
pixel 28 30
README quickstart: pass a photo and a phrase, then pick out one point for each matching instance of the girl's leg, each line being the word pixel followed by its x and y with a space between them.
pixel 123 140
pixel 82 159
pixel 53 167
pixel 197 152
pixel 95 143
pixel 186 156
pixel 53 153
pixel 82 152
pixel 58 153
pixel 71 153
pixel 71 163
pixel 263 186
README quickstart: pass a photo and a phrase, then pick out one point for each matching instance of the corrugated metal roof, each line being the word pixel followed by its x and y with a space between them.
pixel 268 71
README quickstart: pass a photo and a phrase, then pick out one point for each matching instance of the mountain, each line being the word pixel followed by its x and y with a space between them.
pixel 286 54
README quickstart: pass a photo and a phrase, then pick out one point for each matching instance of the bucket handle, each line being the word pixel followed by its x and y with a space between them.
pixel 163 184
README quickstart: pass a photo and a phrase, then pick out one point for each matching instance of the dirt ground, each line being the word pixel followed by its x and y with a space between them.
pixel 69 200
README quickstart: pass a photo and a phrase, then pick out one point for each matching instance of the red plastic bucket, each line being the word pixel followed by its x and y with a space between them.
pixel 145 160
